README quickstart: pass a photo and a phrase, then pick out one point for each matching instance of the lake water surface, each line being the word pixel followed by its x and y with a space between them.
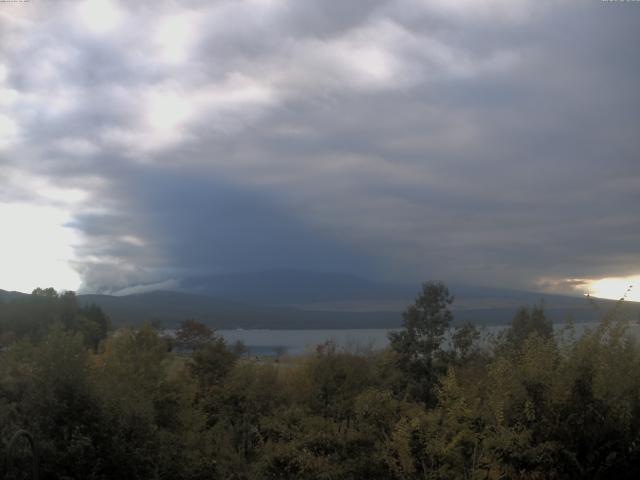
pixel 298 342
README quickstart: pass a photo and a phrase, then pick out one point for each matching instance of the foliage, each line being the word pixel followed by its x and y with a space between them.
pixel 528 321
pixel 536 405
pixel 31 316
pixel 418 344
pixel 192 334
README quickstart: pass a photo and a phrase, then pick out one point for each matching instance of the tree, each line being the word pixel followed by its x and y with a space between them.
pixel 211 362
pixel 45 293
pixel 464 341
pixel 418 344
pixel 527 322
pixel 192 335
pixel 58 404
pixel 94 324
pixel 31 316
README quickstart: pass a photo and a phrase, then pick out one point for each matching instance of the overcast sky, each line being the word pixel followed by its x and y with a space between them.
pixel 490 142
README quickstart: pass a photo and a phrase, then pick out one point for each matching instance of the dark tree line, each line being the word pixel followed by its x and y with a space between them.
pixel 439 403
pixel 31 316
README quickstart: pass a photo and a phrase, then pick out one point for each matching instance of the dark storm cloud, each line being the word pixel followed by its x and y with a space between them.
pixel 488 142
pixel 203 225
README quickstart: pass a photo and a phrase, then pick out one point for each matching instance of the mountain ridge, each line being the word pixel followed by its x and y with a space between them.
pixel 293 299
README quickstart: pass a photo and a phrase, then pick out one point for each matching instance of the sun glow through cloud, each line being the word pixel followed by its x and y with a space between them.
pixel 36 248
pixel 615 288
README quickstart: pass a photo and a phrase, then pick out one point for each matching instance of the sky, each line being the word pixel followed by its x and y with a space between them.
pixel 486 142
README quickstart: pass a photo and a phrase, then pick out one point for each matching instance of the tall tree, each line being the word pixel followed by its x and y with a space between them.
pixel 527 322
pixel 418 344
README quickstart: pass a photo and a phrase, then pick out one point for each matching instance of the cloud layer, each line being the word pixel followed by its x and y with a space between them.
pixel 491 142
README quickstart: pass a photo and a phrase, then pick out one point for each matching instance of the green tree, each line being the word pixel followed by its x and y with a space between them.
pixel 464 341
pixel 93 323
pixel 31 316
pixel 192 335
pixel 211 363
pixel 49 293
pixel 129 376
pixel 528 321
pixel 418 344
pixel 53 398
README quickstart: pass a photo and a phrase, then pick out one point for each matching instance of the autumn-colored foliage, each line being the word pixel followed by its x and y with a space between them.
pixel 437 404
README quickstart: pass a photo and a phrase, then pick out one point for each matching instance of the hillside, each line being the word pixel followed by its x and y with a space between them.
pixel 290 299
pixel 361 304
pixel 286 287
pixel 6 296
pixel 171 307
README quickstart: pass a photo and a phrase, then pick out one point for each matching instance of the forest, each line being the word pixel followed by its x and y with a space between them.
pixel 441 402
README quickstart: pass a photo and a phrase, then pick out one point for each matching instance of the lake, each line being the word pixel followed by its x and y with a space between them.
pixel 298 342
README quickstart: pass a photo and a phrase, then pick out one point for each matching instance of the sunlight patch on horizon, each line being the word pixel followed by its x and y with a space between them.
pixel 614 288
pixel 36 248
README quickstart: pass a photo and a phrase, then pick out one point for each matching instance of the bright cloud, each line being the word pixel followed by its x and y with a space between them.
pixel 175 35
pixel 36 248
pixel 99 16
